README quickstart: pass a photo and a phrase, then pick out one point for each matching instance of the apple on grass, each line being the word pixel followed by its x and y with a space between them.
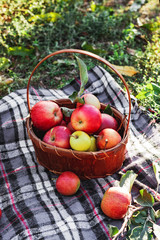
pixel 91 99
pixel 108 122
pixel 115 202
pixel 68 183
pixel 45 115
pixel 86 118
pixel 108 138
pixel 80 141
pixel 58 136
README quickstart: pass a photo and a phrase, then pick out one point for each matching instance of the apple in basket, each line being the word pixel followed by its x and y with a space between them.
pixel 91 99
pixel 58 136
pixel 108 122
pixel 108 138
pixel 115 202
pixel 45 115
pixel 80 141
pixel 93 146
pixel 68 183
pixel 86 118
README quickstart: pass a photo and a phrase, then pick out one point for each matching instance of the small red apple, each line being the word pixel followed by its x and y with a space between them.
pixel 115 202
pixel 0 213
pixel 45 115
pixel 63 123
pixel 108 122
pixel 86 118
pixel 69 126
pixel 68 183
pixel 108 138
pixel 91 99
pixel 58 136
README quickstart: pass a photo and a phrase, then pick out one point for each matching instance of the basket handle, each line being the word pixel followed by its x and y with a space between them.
pixel 90 55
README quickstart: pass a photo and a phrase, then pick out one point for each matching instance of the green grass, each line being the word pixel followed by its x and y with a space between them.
pixel 30 31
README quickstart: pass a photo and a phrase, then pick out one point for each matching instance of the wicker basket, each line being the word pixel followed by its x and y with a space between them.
pixel 85 164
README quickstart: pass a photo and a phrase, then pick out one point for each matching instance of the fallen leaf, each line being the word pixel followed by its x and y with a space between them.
pixel 126 70
pixel 131 51
pixel 5 81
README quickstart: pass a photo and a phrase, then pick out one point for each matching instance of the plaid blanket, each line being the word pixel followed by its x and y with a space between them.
pixel 31 206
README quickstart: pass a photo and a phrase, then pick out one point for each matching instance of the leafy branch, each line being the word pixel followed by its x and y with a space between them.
pixel 140 221
pixel 133 209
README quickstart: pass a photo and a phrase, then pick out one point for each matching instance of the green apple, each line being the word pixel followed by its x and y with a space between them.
pixel 93 146
pixel 90 99
pixel 80 141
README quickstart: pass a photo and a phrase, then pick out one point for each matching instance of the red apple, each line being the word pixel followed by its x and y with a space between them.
pixel 58 136
pixel 108 138
pixel 0 213
pixel 69 126
pixel 63 123
pixel 115 202
pixel 91 99
pixel 108 122
pixel 68 183
pixel 45 115
pixel 86 118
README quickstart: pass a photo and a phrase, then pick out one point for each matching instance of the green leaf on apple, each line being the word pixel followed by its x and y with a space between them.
pixel 67 111
pixel 127 180
pixel 108 110
pixel 112 230
pixel 83 75
pixel 75 96
pixel 145 199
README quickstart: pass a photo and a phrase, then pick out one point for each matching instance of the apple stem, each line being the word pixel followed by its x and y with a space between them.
pixel 75 136
pixel 106 141
pixel 95 136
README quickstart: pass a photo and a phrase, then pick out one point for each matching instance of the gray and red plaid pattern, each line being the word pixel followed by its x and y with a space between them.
pixel 31 206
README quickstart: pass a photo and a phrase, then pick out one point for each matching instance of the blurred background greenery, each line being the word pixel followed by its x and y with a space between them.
pixel 124 32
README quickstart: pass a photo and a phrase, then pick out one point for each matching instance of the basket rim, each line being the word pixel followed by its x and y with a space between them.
pixel 48 146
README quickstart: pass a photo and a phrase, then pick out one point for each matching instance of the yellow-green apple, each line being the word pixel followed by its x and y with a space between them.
pixel 86 118
pixel 108 122
pixel 68 183
pixel 93 146
pixel 108 138
pixel 45 115
pixel 115 202
pixel 58 136
pixel 91 99
pixel 80 141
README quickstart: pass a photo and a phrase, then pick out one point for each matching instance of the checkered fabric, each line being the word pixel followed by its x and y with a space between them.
pixel 31 206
